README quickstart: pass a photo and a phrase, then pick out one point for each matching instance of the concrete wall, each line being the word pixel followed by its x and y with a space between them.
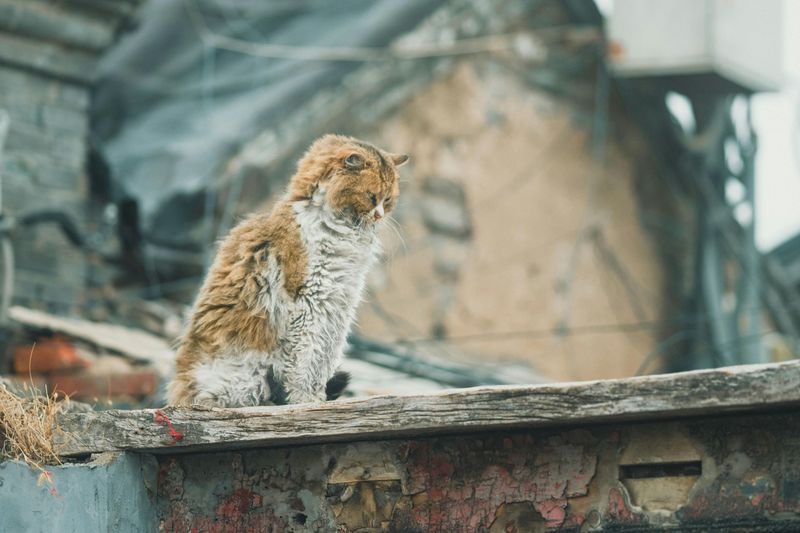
pixel 609 478
pixel 739 473
pixel 115 492
pixel 501 201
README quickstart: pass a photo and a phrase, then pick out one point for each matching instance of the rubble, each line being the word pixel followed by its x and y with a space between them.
pixel 131 343
pixel 99 363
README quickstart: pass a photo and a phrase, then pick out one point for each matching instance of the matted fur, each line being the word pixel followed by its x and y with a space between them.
pixel 281 295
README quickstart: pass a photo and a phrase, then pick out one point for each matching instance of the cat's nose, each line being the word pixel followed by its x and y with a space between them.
pixel 378 211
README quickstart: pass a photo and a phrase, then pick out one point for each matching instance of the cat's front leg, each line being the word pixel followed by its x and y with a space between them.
pixel 303 385
pixel 305 371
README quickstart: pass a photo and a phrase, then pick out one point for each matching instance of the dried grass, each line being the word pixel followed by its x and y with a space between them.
pixel 27 425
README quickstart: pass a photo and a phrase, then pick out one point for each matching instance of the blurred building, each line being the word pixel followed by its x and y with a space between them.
pixel 507 223
pixel 48 55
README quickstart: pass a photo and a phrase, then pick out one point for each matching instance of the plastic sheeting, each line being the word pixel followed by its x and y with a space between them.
pixel 170 109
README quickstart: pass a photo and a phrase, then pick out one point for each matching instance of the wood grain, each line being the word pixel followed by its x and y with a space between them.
pixel 710 392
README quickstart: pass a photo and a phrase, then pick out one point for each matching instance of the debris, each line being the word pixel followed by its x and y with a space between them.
pixel 129 342
pixel 91 386
pixel 47 355
pixel 93 362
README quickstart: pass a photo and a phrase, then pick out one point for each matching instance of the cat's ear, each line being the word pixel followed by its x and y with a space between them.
pixel 399 159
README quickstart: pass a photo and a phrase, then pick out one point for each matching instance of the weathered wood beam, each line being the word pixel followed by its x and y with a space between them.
pixel 47 58
pixel 54 22
pixel 734 389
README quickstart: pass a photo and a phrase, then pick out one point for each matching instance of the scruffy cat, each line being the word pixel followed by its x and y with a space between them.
pixel 271 319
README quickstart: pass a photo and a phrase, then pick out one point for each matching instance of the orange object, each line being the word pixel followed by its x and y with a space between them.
pixel 92 387
pixel 615 50
pixel 47 355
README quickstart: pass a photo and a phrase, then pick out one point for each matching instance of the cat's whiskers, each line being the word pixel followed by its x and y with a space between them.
pixel 394 225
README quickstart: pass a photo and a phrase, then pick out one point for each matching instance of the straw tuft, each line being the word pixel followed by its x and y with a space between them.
pixel 27 424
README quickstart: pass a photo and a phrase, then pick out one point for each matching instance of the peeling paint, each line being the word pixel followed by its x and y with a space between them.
pixel 465 496
pixel 513 482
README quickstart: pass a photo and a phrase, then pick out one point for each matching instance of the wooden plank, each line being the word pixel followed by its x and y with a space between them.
pixel 734 389
pixel 54 22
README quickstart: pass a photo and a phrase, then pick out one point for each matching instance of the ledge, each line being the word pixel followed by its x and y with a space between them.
pixel 62 40
pixel 742 389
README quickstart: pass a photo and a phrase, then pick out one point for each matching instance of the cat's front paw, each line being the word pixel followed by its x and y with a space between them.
pixel 305 397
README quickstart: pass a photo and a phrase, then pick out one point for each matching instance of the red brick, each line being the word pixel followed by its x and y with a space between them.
pixel 47 355
pixel 85 386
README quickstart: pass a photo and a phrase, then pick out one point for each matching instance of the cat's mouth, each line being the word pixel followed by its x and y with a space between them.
pixel 349 219
pixel 359 220
pixel 366 221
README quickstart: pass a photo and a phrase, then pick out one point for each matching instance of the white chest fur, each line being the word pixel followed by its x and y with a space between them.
pixel 339 258
pixel 311 329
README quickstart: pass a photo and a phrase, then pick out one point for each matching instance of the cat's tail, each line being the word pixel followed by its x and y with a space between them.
pixel 336 385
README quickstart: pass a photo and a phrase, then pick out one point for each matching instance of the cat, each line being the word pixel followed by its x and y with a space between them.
pixel 271 320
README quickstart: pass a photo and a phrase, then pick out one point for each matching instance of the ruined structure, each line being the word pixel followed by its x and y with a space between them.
pixel 709 451
pixel 48 54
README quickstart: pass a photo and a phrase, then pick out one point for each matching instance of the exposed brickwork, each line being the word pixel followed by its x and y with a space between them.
pixel 47 355
pixel 43 168
pixel 513 482
pixel 87 386
pixel 47 62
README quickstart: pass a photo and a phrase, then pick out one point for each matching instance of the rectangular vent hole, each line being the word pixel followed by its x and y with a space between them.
pixel 656 470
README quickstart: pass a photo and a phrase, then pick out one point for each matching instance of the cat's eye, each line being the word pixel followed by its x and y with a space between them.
pixel 373 199
pixel 354 161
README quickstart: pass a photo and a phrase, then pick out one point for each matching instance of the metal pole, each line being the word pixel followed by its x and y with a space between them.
pixel 4 121
pixel 5 241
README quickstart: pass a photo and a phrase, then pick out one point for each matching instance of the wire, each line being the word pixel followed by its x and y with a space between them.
pixel 599 151
pixel 610 259
pixel 397 323
pixel 7 251
pixel 573 331
pixel 661 346
pixel 466 46
pixel 589 329
pixel 734 342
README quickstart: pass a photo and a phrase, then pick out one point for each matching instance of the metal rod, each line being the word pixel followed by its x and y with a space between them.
pixel 4 121
pixel 5 240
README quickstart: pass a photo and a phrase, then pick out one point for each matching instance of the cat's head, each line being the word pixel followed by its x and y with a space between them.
pixel 353 178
